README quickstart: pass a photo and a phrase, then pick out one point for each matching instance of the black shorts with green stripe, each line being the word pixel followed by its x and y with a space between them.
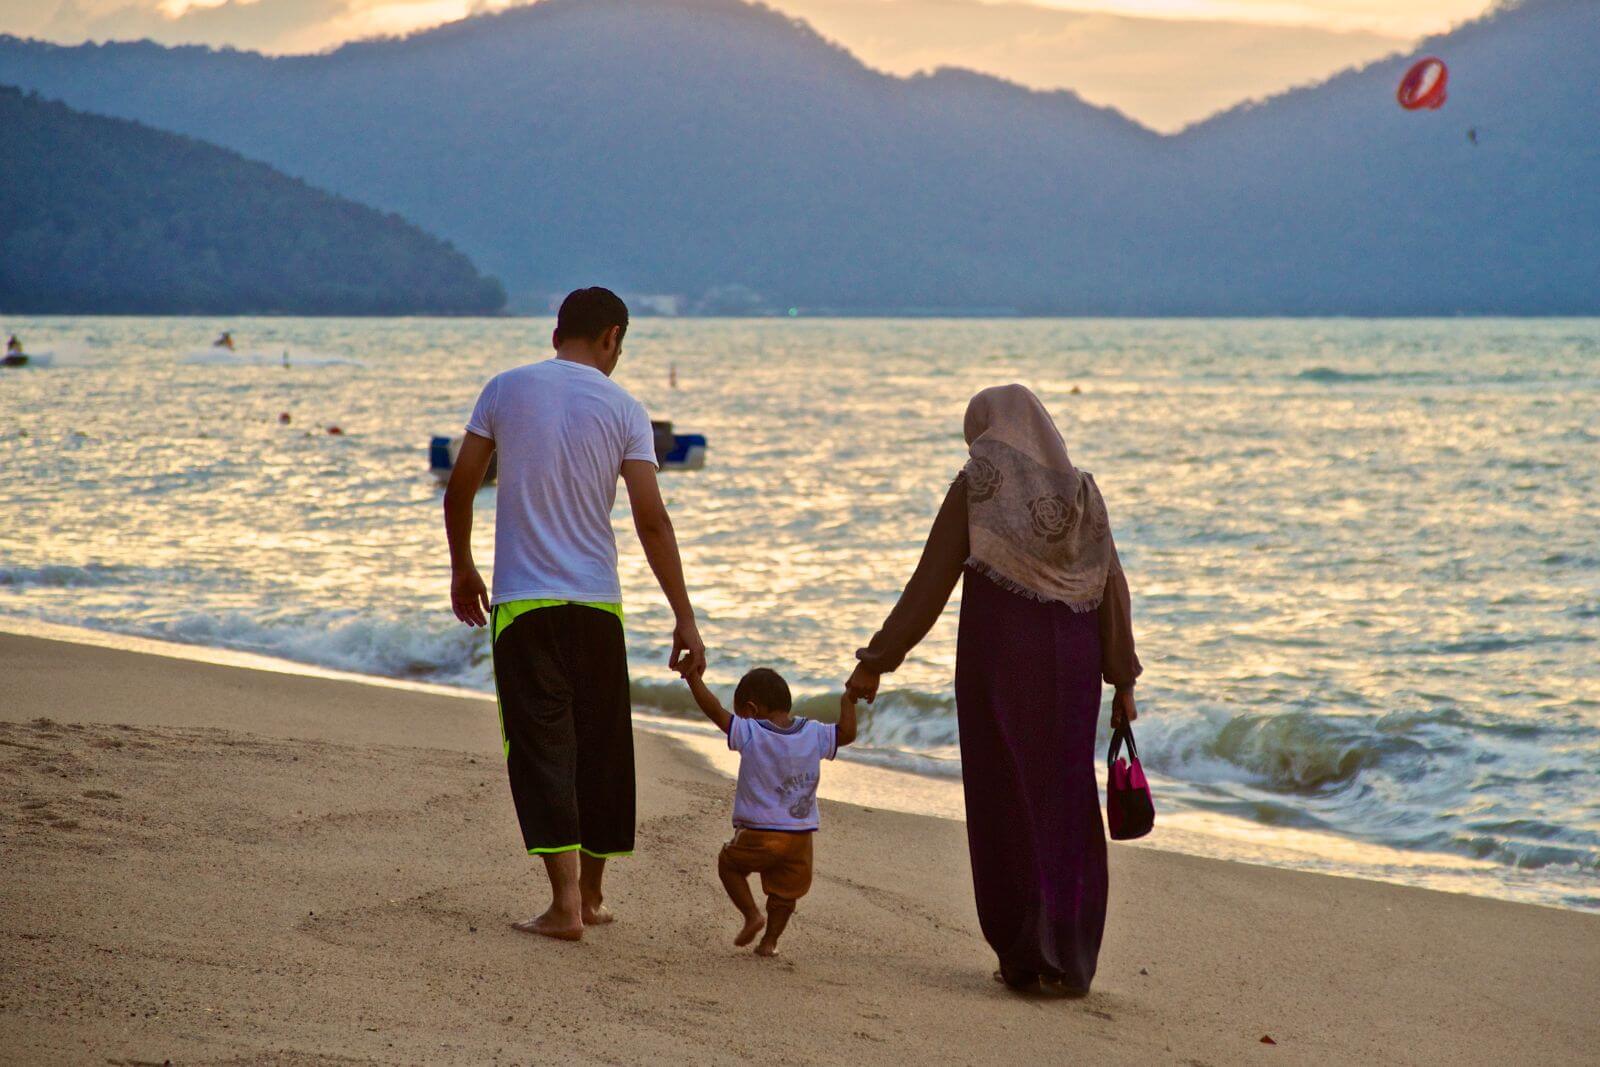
pixel 561 671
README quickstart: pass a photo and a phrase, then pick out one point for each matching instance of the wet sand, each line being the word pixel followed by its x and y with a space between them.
pixel 207 863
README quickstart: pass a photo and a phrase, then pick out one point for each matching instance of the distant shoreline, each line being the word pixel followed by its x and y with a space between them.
pixel 822 315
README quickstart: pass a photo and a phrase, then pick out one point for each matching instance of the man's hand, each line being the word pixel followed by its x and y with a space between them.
pixel 1123 708
pixel 469 597
pixel 863 684
pixel 688 651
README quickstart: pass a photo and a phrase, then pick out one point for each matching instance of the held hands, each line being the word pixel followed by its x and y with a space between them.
pixel 469 597
pixel 1123 708
pixel 863 685
pixel 688 651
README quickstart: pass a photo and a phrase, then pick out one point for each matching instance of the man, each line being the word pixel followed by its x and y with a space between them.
pixel 563 432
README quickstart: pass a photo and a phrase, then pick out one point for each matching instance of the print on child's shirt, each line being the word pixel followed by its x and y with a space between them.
pixel 803 789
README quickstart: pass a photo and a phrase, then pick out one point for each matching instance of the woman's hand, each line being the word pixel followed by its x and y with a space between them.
pixel 863 684
pixel 1123 708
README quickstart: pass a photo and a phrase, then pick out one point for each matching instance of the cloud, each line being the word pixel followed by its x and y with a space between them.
pixel 1165 72
pixel 1413 18
pixel 277 26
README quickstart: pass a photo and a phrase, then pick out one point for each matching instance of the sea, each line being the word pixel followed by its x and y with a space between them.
pixel 1364 555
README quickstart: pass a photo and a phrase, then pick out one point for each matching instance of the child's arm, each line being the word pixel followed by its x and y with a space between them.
pixel 847 721
pixel 708 701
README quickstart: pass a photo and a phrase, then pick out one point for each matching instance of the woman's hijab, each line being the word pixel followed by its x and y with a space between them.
pixel 1036 524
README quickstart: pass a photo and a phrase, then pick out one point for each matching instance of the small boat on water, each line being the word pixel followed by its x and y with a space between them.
pixel 674 452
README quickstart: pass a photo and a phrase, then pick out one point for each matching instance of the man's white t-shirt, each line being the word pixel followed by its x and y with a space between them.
pixel 562 431
pixel 778 772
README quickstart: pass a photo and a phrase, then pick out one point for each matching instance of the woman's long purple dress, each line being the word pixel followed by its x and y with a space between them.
pixel 1027 699
pixel 1028 679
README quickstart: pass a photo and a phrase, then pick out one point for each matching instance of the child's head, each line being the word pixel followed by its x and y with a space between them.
pixel 761 694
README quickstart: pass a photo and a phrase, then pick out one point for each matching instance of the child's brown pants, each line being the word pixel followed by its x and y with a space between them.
pixel 782 859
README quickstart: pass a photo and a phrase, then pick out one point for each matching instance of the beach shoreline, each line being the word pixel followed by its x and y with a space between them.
pixel 862 778
pixel 209 863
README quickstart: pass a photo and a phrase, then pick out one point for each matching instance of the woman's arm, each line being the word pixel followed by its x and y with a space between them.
pixel 1119 663
pixel 923 600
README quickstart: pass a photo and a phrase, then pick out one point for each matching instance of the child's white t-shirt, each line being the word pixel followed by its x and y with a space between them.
pixel 778 772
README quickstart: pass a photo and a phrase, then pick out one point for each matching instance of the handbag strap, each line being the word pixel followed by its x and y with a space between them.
pixel 1122 734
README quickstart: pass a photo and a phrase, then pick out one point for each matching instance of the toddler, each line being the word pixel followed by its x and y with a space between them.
pixel 775 802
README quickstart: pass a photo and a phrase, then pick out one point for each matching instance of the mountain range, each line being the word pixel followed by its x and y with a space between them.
pixel 720 150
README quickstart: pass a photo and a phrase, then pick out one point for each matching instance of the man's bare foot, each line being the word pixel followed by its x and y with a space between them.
pixel 597 915
pixel 753 925
pixel 551 924
pixel 767 948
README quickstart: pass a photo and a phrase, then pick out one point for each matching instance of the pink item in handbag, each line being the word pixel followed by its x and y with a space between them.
pixel 1130 810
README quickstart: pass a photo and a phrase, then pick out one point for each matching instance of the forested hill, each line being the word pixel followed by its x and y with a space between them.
pixel 104 215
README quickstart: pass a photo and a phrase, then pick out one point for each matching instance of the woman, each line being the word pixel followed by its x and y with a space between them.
pixel 1044 616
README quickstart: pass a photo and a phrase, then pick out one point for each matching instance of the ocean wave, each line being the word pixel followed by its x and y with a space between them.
pixel 903 725
pixel 279 357
pixel 668 698
pixel 1336 376
pixel 415 651
pixel 1291 753
pixel 1332 375
pixel 1297 751
pixel 1293 768
pixel 60 354
pixel 1526 855
pixel 62 576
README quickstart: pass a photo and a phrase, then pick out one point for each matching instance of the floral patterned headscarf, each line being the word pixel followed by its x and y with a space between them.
pixel 1036 524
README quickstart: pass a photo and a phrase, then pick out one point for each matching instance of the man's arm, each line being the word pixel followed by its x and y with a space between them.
pixel 660 543
pixel 469 597
pixel 708 702
pixel 847 721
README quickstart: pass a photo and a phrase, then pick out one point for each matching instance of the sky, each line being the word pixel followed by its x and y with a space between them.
pixel 1166 63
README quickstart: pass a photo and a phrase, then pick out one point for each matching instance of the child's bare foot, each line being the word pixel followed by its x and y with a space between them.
pixel 553 924
pixel 767 948
pixel 597 915
pixel 753 925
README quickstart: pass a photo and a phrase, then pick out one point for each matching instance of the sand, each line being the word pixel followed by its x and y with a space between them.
pixel 206 863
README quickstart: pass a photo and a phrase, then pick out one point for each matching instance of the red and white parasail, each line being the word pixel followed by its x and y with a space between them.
pixel 1423 85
